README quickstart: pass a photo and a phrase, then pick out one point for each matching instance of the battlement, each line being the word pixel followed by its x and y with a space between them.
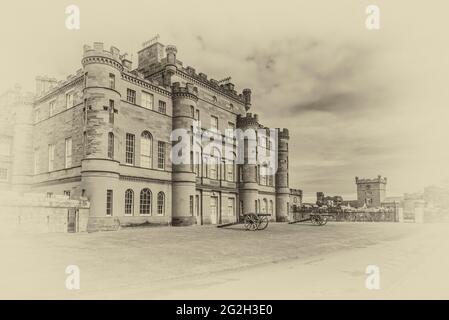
pixel 284 133
pixel 379 179
pixel 227 88
pixel 249 120
pixel 97 54
pixel 189 90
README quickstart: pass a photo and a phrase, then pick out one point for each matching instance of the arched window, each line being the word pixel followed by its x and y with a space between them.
pixel 145 201
pixel 146 148
pixel 258 206
pixel 271 207
pixel 160 203
pixel 129 202
pixel 265 206
pixel 110 145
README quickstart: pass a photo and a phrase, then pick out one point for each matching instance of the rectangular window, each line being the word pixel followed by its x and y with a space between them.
pixel 69 100
pixel 230 171
pixel 191 205
pixel 230 130
pixel 51 157
pixel 111 111
pixel 109 199
pixel 213 122
pixel 130 146
pixel 197 117
pixel 231 207
pixel 162 107
pixel 3 174
pixel 37 115
pixel 84 143
pixel 147 100
pixel 36 161
pixel 110 145
pixel 112 81
pixel 161 155
pixel 131 96
pixel 192 112
pixel 51 108
pixel 5 148
pixel 68 152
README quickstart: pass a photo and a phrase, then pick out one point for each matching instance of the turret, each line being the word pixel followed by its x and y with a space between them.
pixel 247 98
pixel 184 180
pixel 282 181
pixel 99 169
pixel 248 187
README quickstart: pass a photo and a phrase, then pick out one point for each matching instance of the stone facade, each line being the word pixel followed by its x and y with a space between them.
pixel 104 134
pixel 371 192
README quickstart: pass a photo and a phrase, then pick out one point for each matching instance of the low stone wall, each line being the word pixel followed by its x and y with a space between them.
pixel 37 213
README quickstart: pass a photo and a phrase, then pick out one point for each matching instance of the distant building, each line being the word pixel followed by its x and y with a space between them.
pixel 371 192
pixel 321 200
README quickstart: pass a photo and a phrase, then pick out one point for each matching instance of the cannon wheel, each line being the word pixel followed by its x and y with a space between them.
pixel 316 220
pixel 323 221
pixel 263 223
pixel 251 222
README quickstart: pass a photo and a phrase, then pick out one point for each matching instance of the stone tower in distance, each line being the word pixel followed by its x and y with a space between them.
pixel 371 191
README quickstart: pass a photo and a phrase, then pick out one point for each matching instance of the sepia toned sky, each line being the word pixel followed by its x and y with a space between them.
pixel 357 102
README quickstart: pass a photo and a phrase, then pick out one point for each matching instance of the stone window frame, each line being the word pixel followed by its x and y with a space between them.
pixel 146 137
pixel 4 174
pixel 129 202
pixel 111 145
pixel 131 95
pixel 161 149
pixel 68 153
pixel 109 202
pixel 144 101
pixel 130 149
pixel 145 203
pixel 161 203
pixel 162 107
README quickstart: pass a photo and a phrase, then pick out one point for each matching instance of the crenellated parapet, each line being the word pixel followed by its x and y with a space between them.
pixel 249 121
pixel 379 179
pixel 97 54
pixel 284 133
pixel 187 91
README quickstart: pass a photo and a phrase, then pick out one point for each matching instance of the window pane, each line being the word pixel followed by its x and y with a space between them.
pixel 109 199
pixel 146 150
pixel 129 156
pixel 129 202
pixel 147 100
pixel 145 201
pixel 161 155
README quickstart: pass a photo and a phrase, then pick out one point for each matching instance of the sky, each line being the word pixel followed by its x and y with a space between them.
pixel 358 102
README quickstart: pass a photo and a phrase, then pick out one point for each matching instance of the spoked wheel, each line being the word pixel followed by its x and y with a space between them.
pixel 263 223
pixel 323 221
pixel 251 222
pixel 316 220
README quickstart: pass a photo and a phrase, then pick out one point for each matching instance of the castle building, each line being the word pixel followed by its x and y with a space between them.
pixel 371 192
pixel 105 134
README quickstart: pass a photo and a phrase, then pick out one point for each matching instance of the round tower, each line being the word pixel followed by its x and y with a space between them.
pixel 282 184
pixel 248 187
pixel 101 100
pixel 184 179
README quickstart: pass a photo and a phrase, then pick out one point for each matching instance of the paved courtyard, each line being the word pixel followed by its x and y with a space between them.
pixel 284 261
